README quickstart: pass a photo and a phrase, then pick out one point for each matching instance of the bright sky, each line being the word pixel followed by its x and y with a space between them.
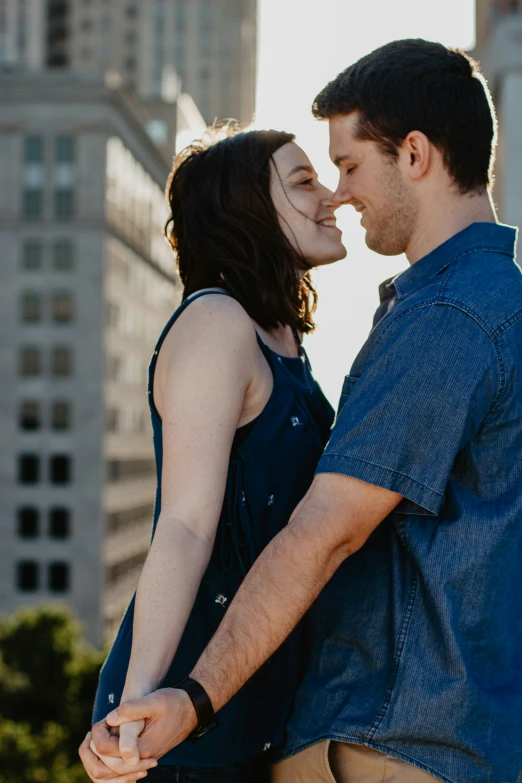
pixel 303 45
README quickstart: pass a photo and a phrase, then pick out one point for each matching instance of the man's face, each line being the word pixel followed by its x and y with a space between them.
pixel 375 185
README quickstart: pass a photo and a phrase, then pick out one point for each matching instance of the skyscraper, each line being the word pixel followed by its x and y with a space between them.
pixel 207 48
pixel 87 284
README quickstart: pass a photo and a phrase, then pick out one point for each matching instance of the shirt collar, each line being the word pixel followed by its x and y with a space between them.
pixel 484 236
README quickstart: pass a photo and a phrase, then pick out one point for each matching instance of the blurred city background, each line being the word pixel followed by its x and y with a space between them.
pixel 95 98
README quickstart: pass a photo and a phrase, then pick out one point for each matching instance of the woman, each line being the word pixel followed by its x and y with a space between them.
pixel 239 424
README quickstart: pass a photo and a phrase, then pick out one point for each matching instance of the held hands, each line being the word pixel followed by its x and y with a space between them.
pixel 148 728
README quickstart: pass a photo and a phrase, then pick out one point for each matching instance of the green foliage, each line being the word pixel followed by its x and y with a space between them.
pixel 48 679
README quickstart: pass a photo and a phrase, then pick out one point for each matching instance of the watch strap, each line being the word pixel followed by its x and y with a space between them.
pixel 207 719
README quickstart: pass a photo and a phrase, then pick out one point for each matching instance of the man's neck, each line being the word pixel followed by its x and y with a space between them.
pixel 437 225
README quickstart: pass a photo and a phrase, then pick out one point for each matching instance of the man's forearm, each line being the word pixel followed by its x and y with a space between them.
pixel 335 520
pixel 283 583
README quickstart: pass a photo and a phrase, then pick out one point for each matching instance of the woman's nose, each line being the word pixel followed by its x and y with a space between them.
pixel 327 198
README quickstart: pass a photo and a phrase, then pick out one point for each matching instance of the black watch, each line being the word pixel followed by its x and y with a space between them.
pixel 207 719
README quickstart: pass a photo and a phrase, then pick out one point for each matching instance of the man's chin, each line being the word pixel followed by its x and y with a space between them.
pixel 380 246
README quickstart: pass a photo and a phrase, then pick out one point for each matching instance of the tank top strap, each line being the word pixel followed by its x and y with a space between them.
pixel 266 350
pixel 168 326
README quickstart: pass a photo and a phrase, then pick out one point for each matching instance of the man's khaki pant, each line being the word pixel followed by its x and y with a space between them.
pixel 338 762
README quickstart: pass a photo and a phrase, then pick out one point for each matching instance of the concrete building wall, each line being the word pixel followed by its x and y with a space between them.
pixel 123 287
pixel 499 50
pixel 22 33
pixel 205 47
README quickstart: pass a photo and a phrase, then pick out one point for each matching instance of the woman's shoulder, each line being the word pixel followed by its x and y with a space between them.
pixel 214 321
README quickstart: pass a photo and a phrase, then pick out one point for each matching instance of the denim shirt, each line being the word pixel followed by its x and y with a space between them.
pixel 414 648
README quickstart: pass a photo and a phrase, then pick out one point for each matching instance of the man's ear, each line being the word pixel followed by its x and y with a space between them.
pixel 417 154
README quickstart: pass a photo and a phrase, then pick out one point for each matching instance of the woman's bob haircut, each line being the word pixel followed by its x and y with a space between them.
pixel 225 230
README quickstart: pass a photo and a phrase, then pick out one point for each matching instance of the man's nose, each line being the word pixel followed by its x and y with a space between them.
pixel 341 196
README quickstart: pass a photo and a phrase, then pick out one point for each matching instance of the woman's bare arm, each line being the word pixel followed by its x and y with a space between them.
pixel 204 371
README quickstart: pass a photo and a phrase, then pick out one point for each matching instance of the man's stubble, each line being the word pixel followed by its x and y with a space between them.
pixel 396 217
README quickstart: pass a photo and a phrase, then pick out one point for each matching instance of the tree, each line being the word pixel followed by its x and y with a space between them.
pixel 48 678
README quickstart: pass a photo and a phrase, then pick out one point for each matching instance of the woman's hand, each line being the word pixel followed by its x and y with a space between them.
pixel 118 772
pixel 169 717
pixel 129 733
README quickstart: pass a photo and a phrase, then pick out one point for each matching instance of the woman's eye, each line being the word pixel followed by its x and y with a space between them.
pixel 307 182
pixel 349 171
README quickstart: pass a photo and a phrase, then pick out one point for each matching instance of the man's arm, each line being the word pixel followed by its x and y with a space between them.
pixel 335 519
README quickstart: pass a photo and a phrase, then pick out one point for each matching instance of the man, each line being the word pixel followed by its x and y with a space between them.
pixel 414 520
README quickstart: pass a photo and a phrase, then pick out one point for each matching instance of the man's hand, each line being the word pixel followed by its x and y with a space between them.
pixel 119 772
pixel 169 717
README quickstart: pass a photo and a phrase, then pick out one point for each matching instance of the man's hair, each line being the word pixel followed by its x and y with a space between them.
pixel 225 230
pixel 419 85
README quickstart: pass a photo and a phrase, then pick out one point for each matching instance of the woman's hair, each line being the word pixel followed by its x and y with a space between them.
pixel 225 230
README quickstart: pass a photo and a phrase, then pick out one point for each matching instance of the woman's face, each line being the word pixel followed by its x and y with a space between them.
pixel 304 207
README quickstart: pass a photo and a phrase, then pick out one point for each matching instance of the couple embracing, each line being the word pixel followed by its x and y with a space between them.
pixel 350 613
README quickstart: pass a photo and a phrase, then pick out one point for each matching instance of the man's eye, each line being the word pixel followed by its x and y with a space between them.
pixel 349 171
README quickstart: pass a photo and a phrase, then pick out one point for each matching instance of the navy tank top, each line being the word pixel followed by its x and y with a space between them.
pixel 271 467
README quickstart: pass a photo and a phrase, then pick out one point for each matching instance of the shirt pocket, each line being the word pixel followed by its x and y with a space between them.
pixel 348 387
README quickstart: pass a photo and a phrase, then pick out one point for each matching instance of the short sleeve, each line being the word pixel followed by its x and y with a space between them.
pixel 425 387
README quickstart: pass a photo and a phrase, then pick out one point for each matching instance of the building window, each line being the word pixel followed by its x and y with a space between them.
pixel 124 568
pixel 30 361
pixel 60 469
pixel 32 255
pixel 506 6
pixel 62 307
pixel 121 470
pixel 113 368
pixel 29 469
pixel 130 63
pixel 60 416
pixel 120 519
pixel 61 361
pixel 58 15
pixel 63 255
pixel 27 576
pixel 130 37
pixel 113 420
pixel 58 577
pixel 59 523
pixel 32 202
pixel 28 522
pixel 33 149
pixel 63 203
pixel 112 313
pixel 31 307
pixel 132 12
pixel 86 25
pixel 64 149
pixel 30 415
